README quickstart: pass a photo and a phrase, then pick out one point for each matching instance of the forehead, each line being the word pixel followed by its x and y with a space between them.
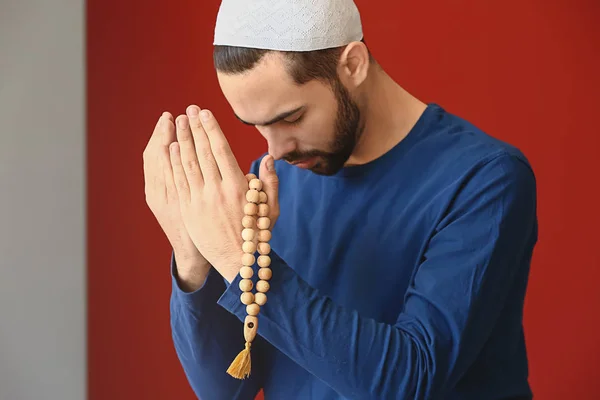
pixel 267 90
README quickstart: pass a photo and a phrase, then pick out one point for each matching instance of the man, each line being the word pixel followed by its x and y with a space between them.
pixel 403 234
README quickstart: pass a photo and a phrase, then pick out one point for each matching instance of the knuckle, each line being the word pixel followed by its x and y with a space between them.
pixel 191 166
pixel 206 153
pixel 236 197
pixel 184 136
pixel 213 195
pixel 181 183
pixel 221 149
pixel 166 128
pixel 209 124
pixel 172 196
pixel 233 192
pixel 195 123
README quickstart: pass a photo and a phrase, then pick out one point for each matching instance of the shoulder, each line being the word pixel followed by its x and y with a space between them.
pixel 457 148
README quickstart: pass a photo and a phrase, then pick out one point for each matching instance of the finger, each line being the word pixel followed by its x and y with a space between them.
pixel 206 159
pixel 157 129
pixel 249 177
pixel 167 173
pixel 159 176
pixel 152 171
pixel 187 152
pixel 179 176
pixel 270 180
pixel 149 154
pixel 228 165
pixel 168 130
pixel 166 138
pixel 168 116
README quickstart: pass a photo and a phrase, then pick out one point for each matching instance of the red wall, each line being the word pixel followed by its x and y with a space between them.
pixel 525 71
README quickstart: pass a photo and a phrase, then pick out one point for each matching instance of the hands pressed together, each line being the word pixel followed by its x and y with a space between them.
pixel 196 190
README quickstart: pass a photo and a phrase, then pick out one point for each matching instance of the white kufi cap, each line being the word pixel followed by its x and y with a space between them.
pixel 288 25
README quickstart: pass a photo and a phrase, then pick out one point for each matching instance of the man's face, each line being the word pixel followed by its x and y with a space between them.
pixel 314 126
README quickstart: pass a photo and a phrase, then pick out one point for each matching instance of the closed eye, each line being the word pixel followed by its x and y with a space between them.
pixel 295 120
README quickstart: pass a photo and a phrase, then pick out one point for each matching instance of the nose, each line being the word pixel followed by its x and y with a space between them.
pixel 278 143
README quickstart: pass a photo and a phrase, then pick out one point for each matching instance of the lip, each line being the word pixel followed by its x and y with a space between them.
pixel 306 164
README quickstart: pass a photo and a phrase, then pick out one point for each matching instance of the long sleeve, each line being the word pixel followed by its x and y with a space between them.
pixel 207 339
pixel 456 296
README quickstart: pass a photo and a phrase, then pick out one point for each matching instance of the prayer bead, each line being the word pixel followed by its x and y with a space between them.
pixel 249 222
pixel 263 223
pixel 249 247
pixel 263 197
pixel 247 298
pixel 246 285
pixel 248 260
pixel 253 309
pixel 265 274
pixel 252 196
pixel 260 299
pixel 264 235
pixel 251 209
pixel 263 210
pixel 255 184
pixel 264 248
pixel 248 234
pixel 264 261
pixel 246 272
pixel 262 286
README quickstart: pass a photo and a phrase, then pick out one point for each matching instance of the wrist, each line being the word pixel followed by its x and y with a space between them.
pixel 231 274
pixel 229 268
pixel 191 274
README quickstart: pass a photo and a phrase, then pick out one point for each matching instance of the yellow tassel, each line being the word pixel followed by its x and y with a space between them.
pixel 240 367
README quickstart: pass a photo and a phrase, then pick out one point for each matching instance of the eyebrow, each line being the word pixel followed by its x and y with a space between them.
pixel 274 120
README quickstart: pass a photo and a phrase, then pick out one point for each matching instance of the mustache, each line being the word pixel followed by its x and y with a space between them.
pixel 303 155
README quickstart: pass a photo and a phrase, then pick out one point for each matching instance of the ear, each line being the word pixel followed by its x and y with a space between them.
pixel 354 64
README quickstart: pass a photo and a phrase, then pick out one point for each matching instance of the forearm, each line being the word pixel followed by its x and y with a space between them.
pixel 358 357
pixel 207 339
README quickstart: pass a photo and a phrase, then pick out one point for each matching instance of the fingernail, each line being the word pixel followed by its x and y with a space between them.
pixel 204 115
pixel 192 111
pixel 270 164
pixel 181 123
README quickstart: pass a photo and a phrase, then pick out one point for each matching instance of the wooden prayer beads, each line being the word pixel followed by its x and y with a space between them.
pixel 256 235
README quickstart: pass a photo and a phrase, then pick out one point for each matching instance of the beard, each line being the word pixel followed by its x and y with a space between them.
pixel 347 132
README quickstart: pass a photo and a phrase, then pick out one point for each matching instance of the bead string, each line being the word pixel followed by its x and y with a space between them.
pixel 256 218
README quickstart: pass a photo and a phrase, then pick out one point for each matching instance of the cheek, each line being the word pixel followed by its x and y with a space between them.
pixel 318 132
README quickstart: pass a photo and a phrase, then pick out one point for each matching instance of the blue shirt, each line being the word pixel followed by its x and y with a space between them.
pixel 400 279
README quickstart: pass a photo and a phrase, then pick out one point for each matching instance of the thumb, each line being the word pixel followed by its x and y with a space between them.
pixel 268 176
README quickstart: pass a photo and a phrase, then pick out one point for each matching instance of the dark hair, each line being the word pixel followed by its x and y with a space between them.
pixel 302 66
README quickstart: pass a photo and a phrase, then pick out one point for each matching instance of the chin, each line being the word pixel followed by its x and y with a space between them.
pixel 324 169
